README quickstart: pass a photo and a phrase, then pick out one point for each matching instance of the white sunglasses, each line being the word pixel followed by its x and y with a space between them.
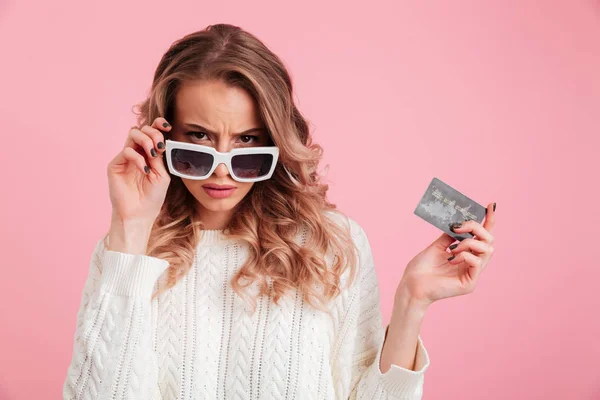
pixel 196 161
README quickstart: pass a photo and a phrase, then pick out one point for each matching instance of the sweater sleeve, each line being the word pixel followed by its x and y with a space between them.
pixel 367 379
pixel 112 353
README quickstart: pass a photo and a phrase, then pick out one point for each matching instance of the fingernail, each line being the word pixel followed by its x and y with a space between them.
pixel 494 207
pixel 451 258
pixel 146 169
pixel 153 152
pixel 455 245
pixel 455 225
pixel 166 125
pixel 160 145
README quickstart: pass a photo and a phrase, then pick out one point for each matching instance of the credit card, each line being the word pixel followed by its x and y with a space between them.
pixel 442 205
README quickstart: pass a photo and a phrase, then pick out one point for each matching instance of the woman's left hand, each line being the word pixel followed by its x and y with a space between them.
pixel 431 275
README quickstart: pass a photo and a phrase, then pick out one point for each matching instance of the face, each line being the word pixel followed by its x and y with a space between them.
pixel 214 114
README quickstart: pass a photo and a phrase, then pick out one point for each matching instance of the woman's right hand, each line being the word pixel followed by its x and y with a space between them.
pixel 138 179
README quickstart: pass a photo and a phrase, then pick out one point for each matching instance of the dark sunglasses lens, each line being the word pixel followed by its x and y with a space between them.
pixel 193 163
pixel 249 166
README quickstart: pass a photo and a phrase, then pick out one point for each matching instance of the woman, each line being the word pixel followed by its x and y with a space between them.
pixel 225 272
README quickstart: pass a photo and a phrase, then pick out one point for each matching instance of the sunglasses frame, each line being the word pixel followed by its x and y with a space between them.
pixel 220 158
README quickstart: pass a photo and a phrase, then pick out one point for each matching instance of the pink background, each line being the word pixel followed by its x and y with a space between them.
pixel 499 99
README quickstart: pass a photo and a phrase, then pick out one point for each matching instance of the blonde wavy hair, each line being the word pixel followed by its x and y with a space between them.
pixel 275 211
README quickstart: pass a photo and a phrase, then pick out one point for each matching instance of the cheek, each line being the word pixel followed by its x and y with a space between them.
pixel 244 187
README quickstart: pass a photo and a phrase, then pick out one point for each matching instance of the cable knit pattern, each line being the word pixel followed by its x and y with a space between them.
pixel 199 340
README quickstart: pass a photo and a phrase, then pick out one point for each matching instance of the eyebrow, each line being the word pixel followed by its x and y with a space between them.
pixel 200 127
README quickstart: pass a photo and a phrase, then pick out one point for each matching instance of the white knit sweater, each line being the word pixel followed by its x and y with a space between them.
pixel 200 341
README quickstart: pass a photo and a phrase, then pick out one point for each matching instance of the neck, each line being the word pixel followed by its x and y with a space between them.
pixel 214 220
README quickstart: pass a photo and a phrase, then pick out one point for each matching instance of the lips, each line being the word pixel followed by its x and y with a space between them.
pixel 218 187
pixel 219 191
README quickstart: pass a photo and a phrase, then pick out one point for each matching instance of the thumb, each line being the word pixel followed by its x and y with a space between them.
pixel 158 164
pixel 443 241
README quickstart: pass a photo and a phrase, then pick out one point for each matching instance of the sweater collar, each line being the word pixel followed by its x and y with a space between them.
pixel 212 236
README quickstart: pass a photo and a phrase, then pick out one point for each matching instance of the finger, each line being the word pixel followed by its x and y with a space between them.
pixel 156 136
pixel 129 155
pixel 161 124
pixel 471 244
pixel 143 141
pixel 474 228
pixel 474 262
pixel 156 162
pixel 490 217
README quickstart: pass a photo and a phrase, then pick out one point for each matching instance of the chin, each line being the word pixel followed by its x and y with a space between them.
pixel 218 205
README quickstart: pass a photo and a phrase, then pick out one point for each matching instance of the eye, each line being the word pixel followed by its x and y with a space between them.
pixel 249 138
pixel 196 135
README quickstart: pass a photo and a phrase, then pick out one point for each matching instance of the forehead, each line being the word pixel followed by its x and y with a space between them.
pixel 215 103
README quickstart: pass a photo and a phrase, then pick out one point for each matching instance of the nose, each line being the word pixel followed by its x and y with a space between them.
pixel 221 170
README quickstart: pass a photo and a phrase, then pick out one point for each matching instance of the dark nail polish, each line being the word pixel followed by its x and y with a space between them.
pixel 455 245
pixel 160 145
pixel 455 225
pixel 451 258
pixel 153 152
pixel 494 207
pixel 146 169
pixel 166 125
